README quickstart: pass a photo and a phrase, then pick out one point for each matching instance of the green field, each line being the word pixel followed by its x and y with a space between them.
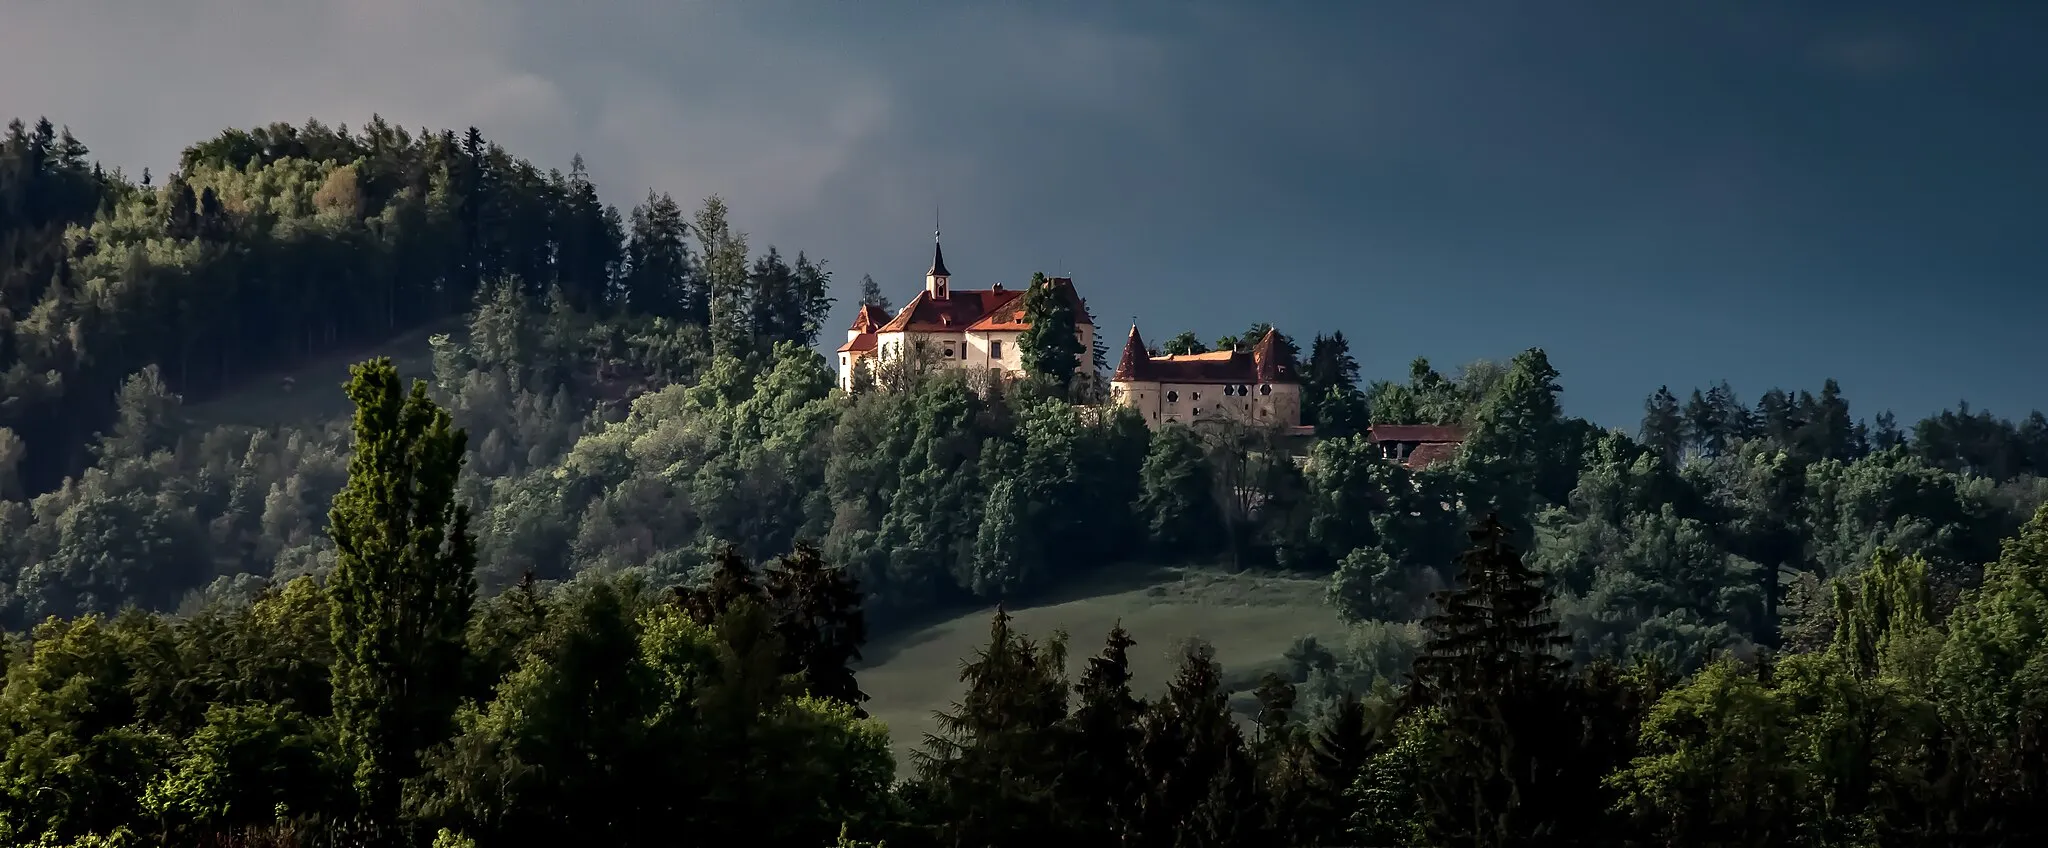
pixel 310 393
pixel 1251 619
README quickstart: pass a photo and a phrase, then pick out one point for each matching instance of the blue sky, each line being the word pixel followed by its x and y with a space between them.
pixel 1654 193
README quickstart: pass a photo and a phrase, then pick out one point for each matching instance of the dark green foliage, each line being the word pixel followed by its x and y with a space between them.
pixel 1050 347
pixel 1663 428
pixel 987 773
pixel 1175 500
pixel 1106 778
pixel 871 295
pixel 1204 788
pixel 1185 343
pixel 402 585
pixel 819 619
pixel 643 405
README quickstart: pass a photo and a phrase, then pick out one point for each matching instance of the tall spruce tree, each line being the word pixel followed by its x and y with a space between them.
pixel 1051 346
pixel 1106 782
pixel 990 771
pixel 1663 428
pixel 1492 669
pixel 1330 367
pixel 1204 782
pixel 402 586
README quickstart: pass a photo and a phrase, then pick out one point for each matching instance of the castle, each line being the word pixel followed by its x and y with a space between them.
pixel 981 328
pixel 1259 386
pixel 957 328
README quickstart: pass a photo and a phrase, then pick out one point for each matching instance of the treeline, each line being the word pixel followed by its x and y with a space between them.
pixel 387 704
pixel 273 245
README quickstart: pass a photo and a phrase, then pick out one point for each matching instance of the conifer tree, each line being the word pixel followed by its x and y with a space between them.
pixel 1663 428
pixel 871 294
pixel 818 615
pixel 402 586
pixel 991 770
pixel 1050 346
pixel 1492 670
pixel 1204 783
pixel 1106 781
pixel 732 578
pixel 1309 781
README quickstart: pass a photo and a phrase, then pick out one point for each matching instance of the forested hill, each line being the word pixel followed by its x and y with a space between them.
pixel 272 245
pixel 641 390
pixel 1785 622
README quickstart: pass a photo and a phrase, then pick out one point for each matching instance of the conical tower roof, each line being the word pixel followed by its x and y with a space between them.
pixel 1132 368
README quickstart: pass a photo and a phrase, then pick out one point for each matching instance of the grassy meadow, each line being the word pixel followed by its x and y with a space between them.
pixel 1251 619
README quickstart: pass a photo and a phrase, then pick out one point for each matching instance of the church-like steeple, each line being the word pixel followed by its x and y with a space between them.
pixel 938 279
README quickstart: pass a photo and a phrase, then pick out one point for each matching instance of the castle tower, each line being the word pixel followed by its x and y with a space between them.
pixel 937 280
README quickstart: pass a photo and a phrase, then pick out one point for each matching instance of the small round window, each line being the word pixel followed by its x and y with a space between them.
pixel 1265 388
pixel 1229 390
pixel 1173 397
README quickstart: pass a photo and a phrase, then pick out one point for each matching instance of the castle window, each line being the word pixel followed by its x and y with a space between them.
pixel 1266 388
pixel 1229 390
pixel 949 351
pixel 995 350
pixel 1173 397
pixel 1195 396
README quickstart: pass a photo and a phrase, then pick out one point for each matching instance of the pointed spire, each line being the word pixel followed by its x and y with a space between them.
pixel 938 254
pixel 1132 368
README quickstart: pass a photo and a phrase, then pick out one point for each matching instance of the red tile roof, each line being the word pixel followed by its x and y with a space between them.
pixel 980 310
pixel 868 318
pixel 1419 433
pixel 1430 453
pixel 859 344
pixel 1263 364
pixel 954 313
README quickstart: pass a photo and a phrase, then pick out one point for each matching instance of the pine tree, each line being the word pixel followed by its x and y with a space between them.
pixel 871 295
pixel 1330 368
pixel 1204 784
pixel 1703 429
pixel 661 276
pixel 818 615
pixel 732 578
pixel 1051 346
pixel 1106 782
pixel 1663 429
pixel 989 771
pixel 402 585
pixel 1492 669
pixel 1317 771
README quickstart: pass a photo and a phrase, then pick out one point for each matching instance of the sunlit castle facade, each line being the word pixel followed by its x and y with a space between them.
pixel 1259 387
pixel 957 328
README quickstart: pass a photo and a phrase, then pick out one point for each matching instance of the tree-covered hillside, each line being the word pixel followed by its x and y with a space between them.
pixel 516 601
